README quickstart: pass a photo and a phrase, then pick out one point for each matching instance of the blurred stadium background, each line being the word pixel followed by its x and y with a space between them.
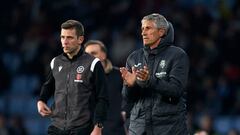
pixel 206 29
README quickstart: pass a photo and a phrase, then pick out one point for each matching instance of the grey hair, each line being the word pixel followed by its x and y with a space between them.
pixel 160 20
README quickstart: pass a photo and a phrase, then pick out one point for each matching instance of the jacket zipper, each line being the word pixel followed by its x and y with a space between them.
pixel 65 113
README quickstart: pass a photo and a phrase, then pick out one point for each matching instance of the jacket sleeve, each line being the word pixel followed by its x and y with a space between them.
pixel 134 91
pixel 101 93
pixel 48 88
pixel 177 80
pixel 130 94
pixel 127 102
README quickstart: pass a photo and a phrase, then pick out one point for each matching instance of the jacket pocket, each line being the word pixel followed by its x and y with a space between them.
pixel 134 113
pixel 165 106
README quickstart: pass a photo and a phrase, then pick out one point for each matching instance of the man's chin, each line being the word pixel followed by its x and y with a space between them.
pixel 145 44
pixel 66 51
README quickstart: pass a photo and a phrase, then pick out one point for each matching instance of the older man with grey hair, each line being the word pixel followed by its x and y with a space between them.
pixel 155 79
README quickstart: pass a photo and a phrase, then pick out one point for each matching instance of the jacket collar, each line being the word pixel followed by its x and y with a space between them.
pixel 148 51
pixel 80 52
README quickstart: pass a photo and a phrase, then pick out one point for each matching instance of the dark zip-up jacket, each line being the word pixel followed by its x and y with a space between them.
pixel 79 89
pixel 164 93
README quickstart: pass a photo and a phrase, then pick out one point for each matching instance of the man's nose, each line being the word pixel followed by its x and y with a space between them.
pixel 64 42
pixel 143 32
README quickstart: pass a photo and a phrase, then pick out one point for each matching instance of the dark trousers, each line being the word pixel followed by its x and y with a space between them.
pixel 113 128
pixel 52 130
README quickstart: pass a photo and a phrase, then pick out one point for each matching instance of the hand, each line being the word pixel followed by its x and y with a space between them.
pixel 128 77
pixel 96 131
pixel 143 74
pixel 43 109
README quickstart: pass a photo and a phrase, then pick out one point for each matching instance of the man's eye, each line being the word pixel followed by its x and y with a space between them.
pixel 93 53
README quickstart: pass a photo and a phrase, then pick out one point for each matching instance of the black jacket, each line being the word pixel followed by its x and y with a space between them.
pixel 79 89
pixel 163 95
pixel 114 122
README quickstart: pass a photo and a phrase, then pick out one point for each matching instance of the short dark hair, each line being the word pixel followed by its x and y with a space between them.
pixel 73 24
pixel 102 46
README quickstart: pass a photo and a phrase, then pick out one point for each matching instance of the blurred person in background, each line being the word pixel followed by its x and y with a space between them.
pixel 3 127
pixel 202 132
pixel 155 78
pixel 78 83
pixel 233 132
pixel 17 126
pixel 206 122
pixel 114 124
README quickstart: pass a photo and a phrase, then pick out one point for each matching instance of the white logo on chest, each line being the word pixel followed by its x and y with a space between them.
pixel 60 68
pixel 80 69
pixel 137 65
pixel 162 63
pixel 162 71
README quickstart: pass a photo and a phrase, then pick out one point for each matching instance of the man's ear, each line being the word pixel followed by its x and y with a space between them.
pixel 80 39
pixel 162 32
pixel 104 56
